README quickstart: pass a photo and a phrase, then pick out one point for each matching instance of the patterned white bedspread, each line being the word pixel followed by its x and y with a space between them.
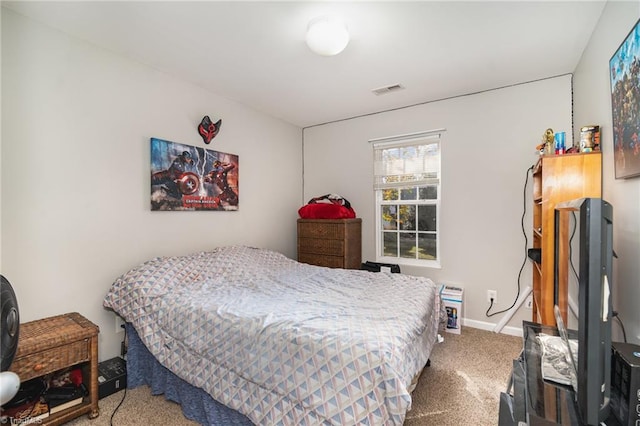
pixel 284 342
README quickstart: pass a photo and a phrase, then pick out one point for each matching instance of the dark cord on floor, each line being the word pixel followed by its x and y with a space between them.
pixel 526 244
pixel 124 395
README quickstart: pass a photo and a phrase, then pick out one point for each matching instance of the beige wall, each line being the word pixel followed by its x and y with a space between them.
pixel 76 123
pixel 488 146
pixel 592 93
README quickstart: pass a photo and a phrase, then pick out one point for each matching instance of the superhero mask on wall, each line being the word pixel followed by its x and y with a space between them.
pixel 209 130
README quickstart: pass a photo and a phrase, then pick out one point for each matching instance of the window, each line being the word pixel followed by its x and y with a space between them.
pixel 407 192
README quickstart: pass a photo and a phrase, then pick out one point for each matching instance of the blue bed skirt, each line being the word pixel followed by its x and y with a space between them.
pixel 197 405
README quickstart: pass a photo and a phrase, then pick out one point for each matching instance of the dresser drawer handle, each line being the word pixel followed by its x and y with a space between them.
pixel 38 367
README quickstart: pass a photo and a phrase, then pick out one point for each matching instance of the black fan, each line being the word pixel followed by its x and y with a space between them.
pixel 10 329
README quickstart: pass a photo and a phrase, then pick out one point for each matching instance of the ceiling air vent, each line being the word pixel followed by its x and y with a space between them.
pixel 387 89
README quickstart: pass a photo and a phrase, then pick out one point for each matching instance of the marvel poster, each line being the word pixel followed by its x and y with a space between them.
pixel 185 177
pixel 625 103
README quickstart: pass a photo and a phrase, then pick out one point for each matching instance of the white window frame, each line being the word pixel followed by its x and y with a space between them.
pixel 420 138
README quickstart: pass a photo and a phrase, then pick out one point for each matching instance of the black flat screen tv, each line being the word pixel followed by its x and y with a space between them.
pixel 593 219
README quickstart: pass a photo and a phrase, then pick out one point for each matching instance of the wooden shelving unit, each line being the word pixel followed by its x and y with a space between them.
pixel 557 178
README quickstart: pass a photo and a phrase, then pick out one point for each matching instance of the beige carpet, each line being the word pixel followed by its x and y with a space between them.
pixel 463 384
pixel 462 387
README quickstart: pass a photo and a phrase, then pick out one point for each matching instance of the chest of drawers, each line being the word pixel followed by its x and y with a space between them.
pixel 336 243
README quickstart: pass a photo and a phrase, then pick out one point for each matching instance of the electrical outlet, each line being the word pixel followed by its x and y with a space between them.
pixel 119 324
pixel 528 303
pixel 492 294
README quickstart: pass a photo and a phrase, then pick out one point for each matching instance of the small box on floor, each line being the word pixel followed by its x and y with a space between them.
pixel 452 299
pixel 112 376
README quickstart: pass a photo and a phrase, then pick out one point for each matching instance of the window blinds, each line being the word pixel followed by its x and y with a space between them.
pixel 410 160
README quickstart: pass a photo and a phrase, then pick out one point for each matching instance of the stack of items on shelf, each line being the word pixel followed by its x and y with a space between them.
pixel 26 407
pixel 41 397
pixel 65 390
pixel 555 143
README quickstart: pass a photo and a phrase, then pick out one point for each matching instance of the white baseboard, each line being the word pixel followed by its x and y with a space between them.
pixel 489 326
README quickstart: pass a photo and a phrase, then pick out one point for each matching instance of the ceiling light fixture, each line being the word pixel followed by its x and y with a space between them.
pixel 327 35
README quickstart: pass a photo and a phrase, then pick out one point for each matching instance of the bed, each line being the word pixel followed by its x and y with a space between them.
pixel 283 342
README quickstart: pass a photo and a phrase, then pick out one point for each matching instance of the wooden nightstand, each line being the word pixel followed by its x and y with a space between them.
pixel 336 243
pixel 51 344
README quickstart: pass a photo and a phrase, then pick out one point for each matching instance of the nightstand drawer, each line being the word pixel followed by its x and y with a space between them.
pixel 320 246
pixel 321 260
pixel 324 229
pixel 51 360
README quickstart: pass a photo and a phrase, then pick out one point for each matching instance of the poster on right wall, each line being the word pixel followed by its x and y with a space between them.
pixel 624 67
